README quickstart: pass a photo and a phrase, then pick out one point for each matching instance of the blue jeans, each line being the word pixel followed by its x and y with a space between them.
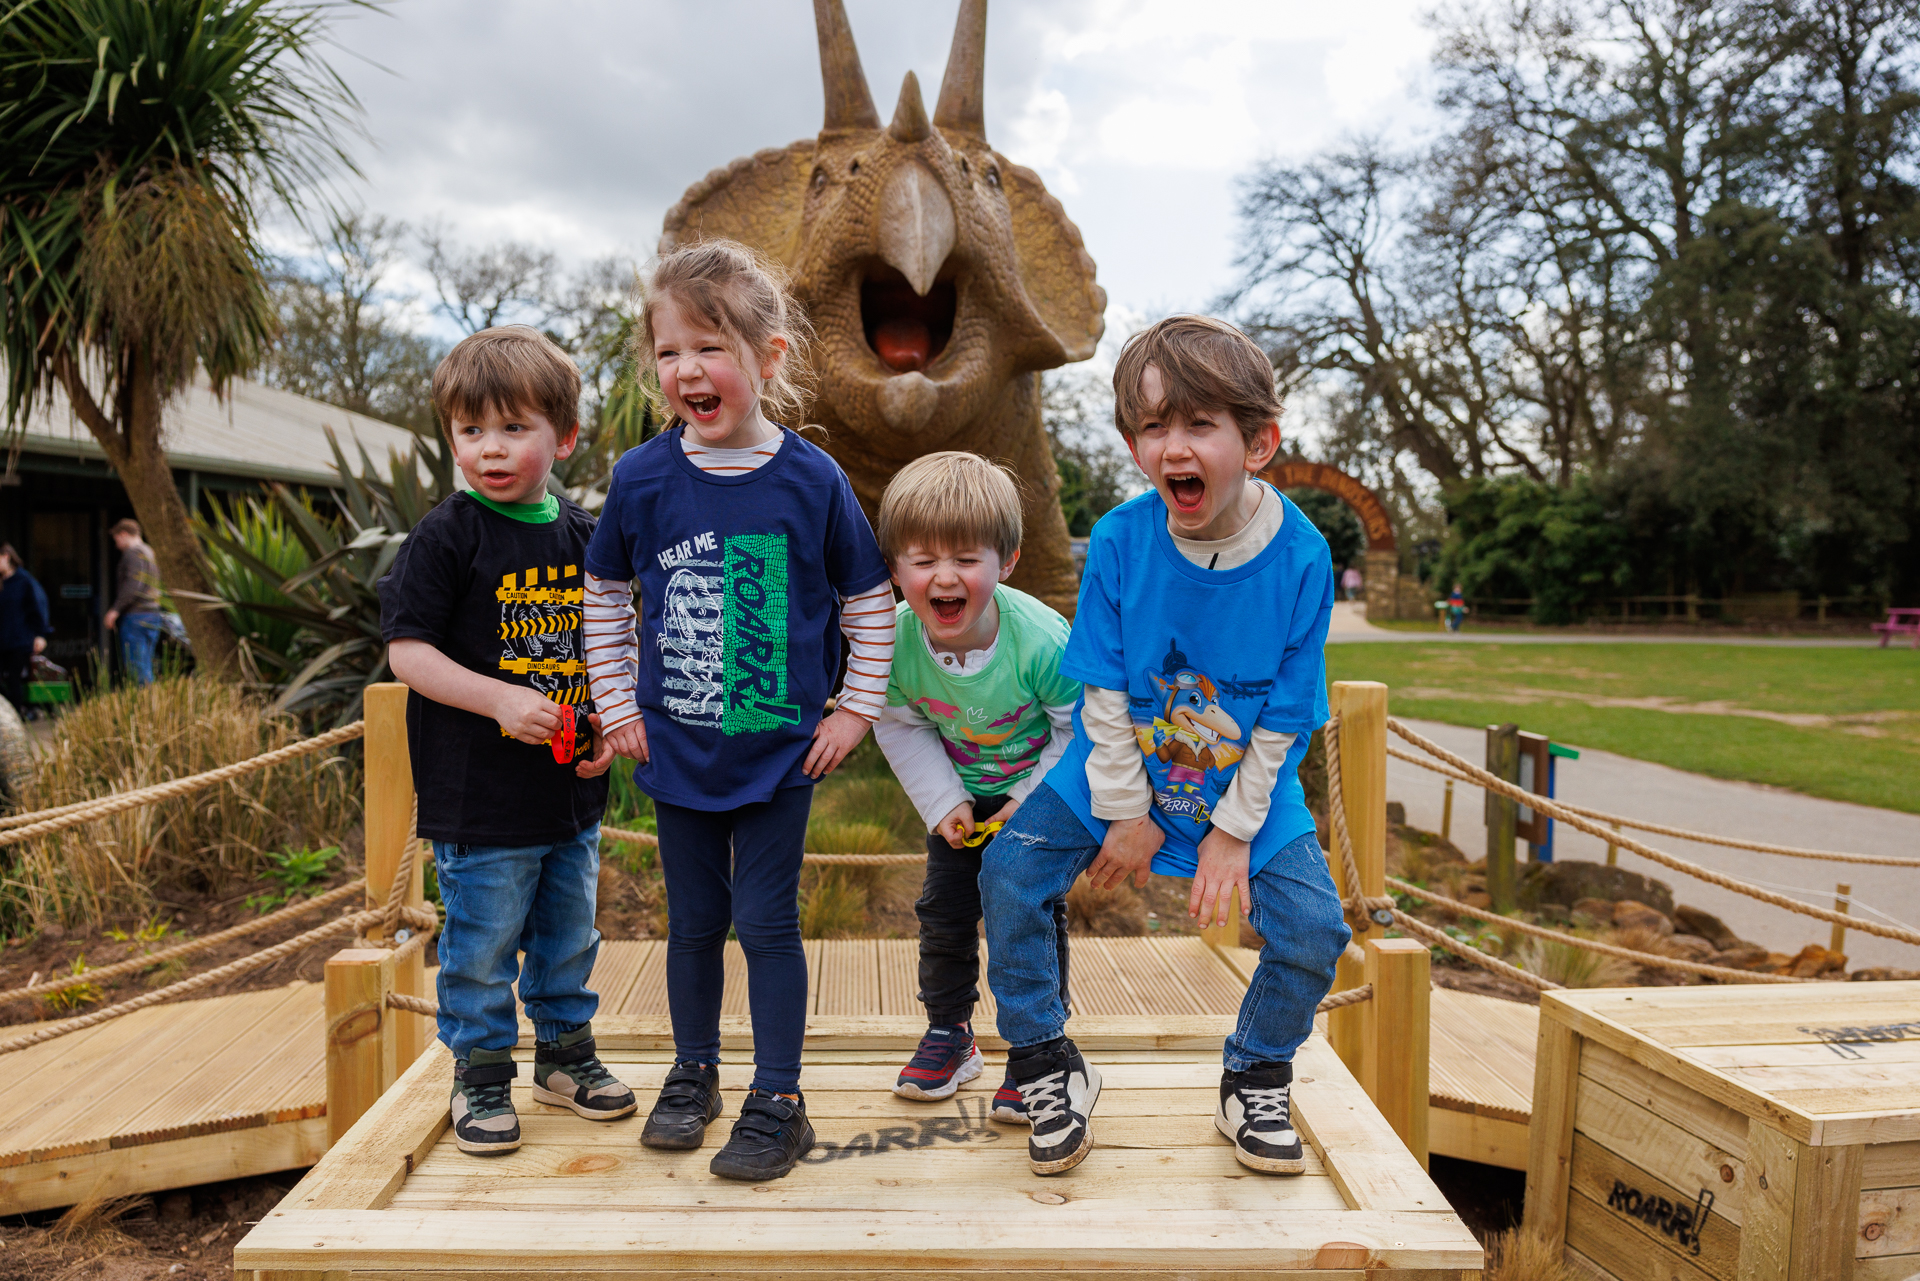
pixel 1035 860
pixel 139 633
pixel 505 899
pixel 738 869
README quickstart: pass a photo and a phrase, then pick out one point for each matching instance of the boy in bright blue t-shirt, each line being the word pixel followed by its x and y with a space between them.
pixel 1200 641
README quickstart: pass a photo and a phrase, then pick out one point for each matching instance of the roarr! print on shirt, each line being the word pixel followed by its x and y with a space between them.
pixel 723 637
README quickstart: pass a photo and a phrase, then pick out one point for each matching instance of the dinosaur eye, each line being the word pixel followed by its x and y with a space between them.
pixel 853 168
pixel 993 176
pixel 819 178
pixel 963 167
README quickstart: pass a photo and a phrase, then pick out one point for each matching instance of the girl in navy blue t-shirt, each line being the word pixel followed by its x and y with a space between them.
pixel 753 558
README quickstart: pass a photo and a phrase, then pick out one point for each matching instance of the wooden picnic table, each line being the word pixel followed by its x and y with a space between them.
pixel 1900 622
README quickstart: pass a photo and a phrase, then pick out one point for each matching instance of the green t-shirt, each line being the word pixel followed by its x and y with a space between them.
pixel 994 722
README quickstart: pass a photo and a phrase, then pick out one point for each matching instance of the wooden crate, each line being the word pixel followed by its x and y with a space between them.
pixel 1760 1133
pixel 896 1188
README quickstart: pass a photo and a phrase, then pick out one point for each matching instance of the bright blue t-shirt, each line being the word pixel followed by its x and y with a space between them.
pixel 740 579
pixel 1205 656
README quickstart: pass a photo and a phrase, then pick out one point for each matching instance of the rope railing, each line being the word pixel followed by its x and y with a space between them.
pixel 1555 810
pixel 1683 833
pixel 1352 996
pixel 25 827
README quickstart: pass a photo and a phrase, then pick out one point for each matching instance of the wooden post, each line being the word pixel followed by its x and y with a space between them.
pixel 1800 1222
pixel 1226 934
pixel 1346 1026
pixel 1398 1036
pixel 361 1044
pixel 1556 1077
pixel 1503 816
pixel 1362 708
pixel 1446 814
pixel 1613 851
pixel 1842 903
pixel 389 825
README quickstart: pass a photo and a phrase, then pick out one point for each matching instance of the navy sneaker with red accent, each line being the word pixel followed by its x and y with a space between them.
pixel 946 1060
pixel 1008 1107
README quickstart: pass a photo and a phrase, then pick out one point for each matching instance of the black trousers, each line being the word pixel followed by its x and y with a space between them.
pixel 13 678
pixel 949 912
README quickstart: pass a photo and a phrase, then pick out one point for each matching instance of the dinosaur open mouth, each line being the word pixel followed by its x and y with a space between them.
pixel 906 331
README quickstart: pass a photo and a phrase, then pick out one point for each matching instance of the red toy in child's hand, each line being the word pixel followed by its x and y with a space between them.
pixel 563 742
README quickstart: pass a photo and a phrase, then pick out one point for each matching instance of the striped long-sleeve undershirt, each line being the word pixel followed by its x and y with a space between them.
pixel 613 655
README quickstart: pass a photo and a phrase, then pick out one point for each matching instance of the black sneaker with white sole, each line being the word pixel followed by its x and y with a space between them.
pixel 1059 1089
pixel 768 1139
pixel 688 1102
pixel 568 1073
pixel 1256 1115
pixel 484 1121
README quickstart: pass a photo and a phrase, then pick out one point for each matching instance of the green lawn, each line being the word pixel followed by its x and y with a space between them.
pixel 1858 739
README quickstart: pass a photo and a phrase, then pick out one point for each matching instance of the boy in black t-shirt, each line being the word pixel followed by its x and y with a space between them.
pixel 481 613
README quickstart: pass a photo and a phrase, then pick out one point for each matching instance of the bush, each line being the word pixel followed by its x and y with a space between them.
pixel 207 842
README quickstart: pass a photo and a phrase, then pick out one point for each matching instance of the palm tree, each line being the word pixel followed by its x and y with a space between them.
pixel 137 141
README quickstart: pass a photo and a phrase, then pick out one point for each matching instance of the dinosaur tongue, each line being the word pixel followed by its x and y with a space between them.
pixel 903 343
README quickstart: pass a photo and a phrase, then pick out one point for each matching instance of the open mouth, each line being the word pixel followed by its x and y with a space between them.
pixel 948 609
pixel 1205 733
pixel 705 408
pixel 906 331
pixel 498 477
pixel 1187 491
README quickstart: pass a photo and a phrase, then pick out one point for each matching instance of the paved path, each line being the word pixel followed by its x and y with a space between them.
pixel 1350 624
pixel 1622 785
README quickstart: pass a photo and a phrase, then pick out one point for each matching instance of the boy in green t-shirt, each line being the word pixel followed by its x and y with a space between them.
pixel 977 712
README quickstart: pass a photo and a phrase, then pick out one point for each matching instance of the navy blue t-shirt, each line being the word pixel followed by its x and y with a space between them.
pixel 740 579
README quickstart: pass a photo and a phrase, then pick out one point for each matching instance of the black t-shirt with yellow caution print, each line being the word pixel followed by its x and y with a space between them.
pixel 498 590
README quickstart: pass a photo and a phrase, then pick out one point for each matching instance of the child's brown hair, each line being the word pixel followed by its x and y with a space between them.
pixel 511 369
pixel 1203 363
pixel 952 501
pixel 745 296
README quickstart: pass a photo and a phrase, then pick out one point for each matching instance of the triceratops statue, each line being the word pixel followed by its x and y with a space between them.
pixel 939 277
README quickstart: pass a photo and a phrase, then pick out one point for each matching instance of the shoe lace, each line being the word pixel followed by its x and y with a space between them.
pixel 494 1096
pixel 591 1073
pixel 1267 1107
pixel 934 1052
pixel 1045 1098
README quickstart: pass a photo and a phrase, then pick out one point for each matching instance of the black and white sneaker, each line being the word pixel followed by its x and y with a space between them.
pixel 768 1140
pixel 688 1101
pixel 1256 1115
pixel 568 1073
pixel 1059 1089
pixel 484 1122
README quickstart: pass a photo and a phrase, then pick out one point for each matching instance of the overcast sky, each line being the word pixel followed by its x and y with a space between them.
pixel 574 124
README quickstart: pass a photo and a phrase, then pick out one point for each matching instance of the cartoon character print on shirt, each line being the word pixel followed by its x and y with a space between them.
pixel 540 631
pixel 723 634
pixel 968 746
pixel 1191 737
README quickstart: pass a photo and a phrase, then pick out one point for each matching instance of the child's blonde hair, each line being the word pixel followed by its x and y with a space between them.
pixel 950 500
pixel 745 296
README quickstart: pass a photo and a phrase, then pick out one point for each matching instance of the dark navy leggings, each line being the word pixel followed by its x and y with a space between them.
pixel 739 868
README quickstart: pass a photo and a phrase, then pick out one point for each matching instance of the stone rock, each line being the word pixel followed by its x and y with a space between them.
pixel 1691 947
pixel 1570 880
pixel 1396 814
pixel 1883 974
pixel 1694 920
pixel 1628 914
pixel 1477 898
pixel 1597 910
pixel 1741 958
pixel 1812 961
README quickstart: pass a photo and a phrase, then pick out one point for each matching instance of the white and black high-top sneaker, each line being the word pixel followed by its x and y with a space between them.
pixel 1256 1114
pixel 1059 1089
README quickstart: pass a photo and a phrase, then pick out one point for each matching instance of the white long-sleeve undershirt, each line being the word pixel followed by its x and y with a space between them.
pixel 915 750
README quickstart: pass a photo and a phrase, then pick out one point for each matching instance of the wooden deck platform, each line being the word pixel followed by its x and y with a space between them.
pixel 231 1086
pixel 895 1188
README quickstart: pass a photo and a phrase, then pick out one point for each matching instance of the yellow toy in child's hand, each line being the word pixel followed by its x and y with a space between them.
pixel 983 833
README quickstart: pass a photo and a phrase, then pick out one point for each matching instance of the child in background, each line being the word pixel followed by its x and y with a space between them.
pixel 1200 638
pixel 977 713
pixel 481 616
pixel 752 557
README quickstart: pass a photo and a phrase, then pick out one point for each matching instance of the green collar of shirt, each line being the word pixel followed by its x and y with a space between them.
pixel 544 512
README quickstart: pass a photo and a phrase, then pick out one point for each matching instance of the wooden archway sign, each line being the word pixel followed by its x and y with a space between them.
pixel 1296 473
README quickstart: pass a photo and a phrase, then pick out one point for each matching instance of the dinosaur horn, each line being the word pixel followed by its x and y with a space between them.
pixel 910 114
pixel 962 89
pixel 849 103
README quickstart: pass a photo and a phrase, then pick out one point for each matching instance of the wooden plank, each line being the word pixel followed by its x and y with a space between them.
pixel 1586 1268
pixel 1825 1225
pixel 1482 1054
pixel 648 994
pixel 1889 1221
pixel 1619 1188
pixel 1468 1136
pixel 615 969
pixel 1804 1054
pixel 899 965
pixel 367 1165
pixel 861 1274
pixel 152 1167
pixel 1098 988
pixel 1398 1023
pixel 1593 1231
pixel 1162 987
pixel 1372 1168
pixel 1904 1267
pixel 879 1078
pixel 894 1034
pixel 1890 1165
pixel 1766 1237
pixel 1038 1238
pixel 1661 1148
pixel 1801 1224
pixel 1550 1132
pixel 388 825
pixel 361 1061
pixel 1216 985
pixel 1692 1111
pixel 734 996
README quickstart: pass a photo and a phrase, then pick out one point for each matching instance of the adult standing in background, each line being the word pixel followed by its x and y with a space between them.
pixel 24 626
pixel 136 606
